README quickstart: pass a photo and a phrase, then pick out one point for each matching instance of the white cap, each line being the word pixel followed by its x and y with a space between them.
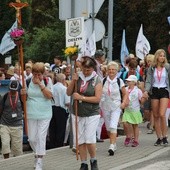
pixel 132 78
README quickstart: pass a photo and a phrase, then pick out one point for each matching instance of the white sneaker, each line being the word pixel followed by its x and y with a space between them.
pixel 39 164
pixel 112 149
pixel 115 147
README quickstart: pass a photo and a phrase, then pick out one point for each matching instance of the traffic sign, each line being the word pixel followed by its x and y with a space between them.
pixel 98 27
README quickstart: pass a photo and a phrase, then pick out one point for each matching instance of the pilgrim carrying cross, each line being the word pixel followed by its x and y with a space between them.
pixel 18 5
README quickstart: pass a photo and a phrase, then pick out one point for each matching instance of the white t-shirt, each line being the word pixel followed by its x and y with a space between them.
pixel 111 97
pixel 135 96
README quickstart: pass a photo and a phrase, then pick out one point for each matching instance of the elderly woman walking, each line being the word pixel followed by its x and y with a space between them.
pixel 112 102
pixel 39 111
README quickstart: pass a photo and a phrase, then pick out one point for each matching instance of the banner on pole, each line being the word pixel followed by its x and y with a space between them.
pixel 142 45
pixel 124 53
pixel 7 43
pixel 74 31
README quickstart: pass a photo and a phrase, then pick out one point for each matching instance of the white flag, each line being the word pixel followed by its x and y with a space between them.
pixel 91 45
pixel 142 45
pixel 124 50
pixel 168 20
pixel 7 43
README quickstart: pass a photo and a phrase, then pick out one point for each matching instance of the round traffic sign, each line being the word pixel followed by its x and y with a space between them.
pixel 98 27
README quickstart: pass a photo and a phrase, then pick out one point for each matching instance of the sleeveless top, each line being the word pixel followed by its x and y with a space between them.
pixel 86 109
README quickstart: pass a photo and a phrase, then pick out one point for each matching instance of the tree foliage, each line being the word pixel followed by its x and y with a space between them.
pixel 46 33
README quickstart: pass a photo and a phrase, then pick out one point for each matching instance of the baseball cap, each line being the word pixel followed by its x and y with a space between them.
pixel 99 53
pixel 14 85
pixel 132 78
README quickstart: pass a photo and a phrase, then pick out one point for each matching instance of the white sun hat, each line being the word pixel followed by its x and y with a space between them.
pixel 132 78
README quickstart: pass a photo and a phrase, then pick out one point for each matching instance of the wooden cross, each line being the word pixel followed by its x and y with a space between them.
pixel 18 5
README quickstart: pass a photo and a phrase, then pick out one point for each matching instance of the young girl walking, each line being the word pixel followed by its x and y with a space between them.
pixel 132 114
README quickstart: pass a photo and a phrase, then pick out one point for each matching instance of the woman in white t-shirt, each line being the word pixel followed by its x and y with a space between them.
pixel 111 104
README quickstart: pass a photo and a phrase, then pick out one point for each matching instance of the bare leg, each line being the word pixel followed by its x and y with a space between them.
pixel 83 152
pixel 92 150
pixel 136 132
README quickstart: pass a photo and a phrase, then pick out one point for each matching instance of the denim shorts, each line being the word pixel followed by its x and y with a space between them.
pixel 158 93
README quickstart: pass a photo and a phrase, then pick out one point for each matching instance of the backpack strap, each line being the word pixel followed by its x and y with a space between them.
pixel 104 80
pixel 124 75
pixel 3 101
pixel 118 82
pixel 28 82
pixel 137 75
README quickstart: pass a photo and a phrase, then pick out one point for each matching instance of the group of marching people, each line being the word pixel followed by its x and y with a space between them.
pixel 127 92
pixel 104 91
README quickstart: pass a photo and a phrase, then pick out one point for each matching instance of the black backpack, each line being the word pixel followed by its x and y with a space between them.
pixel 44 78
pixel 118 82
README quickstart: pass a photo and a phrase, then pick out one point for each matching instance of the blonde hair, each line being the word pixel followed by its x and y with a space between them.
pixel 150 57
pixel 38 67
pixel 113 63
pixel 157 54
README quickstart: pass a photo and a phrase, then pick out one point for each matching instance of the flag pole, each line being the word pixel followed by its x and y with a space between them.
pixel 18 5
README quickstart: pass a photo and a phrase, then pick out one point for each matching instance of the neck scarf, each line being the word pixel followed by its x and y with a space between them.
pixel 110 84
pixel 85 80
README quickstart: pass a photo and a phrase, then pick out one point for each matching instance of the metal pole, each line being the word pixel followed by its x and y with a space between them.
pixel 72 8
pixel 110 30
pixel 93 15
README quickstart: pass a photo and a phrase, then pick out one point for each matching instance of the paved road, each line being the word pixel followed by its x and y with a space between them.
pixel 144 156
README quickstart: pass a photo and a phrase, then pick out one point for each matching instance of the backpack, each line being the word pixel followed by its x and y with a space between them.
pixel 44 78
pixel 126 72
pixel 118 82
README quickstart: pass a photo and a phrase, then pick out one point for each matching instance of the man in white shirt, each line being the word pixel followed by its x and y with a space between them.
pixel 60 114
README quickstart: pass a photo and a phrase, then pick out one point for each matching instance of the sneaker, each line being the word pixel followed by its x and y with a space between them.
pixel 112 149
pixel 150 131
pixel 84 166
pixel 165 141
pixel 158 142
pixel 127 141
pixel 135 143
pixel 94 165
pixel 39 164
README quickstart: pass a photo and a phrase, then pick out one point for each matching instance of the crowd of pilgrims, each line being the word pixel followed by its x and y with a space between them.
pixel 109 94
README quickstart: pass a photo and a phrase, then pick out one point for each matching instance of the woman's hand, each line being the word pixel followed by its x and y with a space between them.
pixel 36 80
pixel 75 76
pixel 23 91
pixel 123 105
pixel 145 95
pixel 77 96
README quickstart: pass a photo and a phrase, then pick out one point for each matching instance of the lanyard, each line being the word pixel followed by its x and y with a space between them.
pixel 13 105
pixel 130 90
pixel 159 74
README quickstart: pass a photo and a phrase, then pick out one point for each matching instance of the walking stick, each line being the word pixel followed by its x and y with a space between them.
pixel 76 109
